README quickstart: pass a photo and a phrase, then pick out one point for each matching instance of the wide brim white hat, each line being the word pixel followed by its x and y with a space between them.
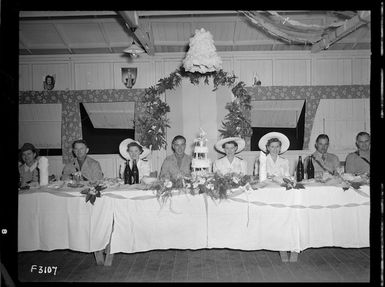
pixel 240 141
pixel 123 149
pixel 284 141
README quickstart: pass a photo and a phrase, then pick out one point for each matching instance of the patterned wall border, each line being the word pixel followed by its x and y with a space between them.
pixel 71 124
pixel 312 95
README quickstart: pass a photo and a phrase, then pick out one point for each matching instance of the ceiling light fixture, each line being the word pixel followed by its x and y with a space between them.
pixel 134 50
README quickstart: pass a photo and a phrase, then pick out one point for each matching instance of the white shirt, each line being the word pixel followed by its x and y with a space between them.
pixel 278 168
pixel 224 166
pixel 143 167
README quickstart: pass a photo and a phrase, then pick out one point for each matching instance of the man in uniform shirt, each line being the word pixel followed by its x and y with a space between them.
pixel 88 167
pixel 358 162
pixel 323 161
pixel 178 164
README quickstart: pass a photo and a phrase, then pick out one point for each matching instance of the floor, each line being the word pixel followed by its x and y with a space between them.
pixel 210 265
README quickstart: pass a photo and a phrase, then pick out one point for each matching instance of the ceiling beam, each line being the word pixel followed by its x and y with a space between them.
pixel 40 14
pixel 23 42
pixel 132 21
pixel 62 37
pixel 200 12
pixel 105 36
pixel 362 18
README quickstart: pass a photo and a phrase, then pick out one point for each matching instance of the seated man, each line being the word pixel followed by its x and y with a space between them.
pixel 323 161
pixel 358 162
pixel 88 167
pixel 177 164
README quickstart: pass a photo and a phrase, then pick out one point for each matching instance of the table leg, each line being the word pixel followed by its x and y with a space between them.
pixel 99 257
pixel 109 256
pixel 293 256
pixel 284 256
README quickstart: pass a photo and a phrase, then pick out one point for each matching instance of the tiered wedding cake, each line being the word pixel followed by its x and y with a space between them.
pixel 200 162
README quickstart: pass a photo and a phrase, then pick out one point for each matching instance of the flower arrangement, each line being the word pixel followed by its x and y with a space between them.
pixel 215 185
pixel 289 184
pixel 350 182
pixel 93 192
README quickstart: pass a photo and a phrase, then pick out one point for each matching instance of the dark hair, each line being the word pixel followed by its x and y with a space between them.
pixel 52 78
pixel 362 134
pixel 230 142
pixel 178 137
pixel 322 136
pixel 270 141
pixel 135 144
pixel 273 140
pixel 28 146
pixel 79 141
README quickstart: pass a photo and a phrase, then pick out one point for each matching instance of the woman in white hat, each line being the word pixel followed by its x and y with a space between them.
pixel 135 154
pixel 273 144
pixel 230 163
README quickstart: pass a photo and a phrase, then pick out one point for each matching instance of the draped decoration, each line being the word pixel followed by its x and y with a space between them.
pixel 289 30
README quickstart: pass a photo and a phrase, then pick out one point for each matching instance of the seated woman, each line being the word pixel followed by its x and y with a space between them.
pixel 28 168
pixel 273 144
pixel 277 167
pixel 230 163
pixel 135 154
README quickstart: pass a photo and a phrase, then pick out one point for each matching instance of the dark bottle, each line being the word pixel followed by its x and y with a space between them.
pixel 127 174
pixel 135 172
pixel 300 169
pixel 310 168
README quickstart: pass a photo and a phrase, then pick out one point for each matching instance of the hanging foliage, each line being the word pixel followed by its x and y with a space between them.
pixel 153 123
pixel 237 123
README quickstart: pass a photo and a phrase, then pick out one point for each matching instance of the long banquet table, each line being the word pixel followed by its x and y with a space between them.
pixel 128 221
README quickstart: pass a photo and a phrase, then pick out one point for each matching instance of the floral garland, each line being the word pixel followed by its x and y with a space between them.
pixel 153 123
pixel 215 185
pixel 93 192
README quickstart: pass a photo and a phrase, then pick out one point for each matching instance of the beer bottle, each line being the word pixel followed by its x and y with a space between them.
pixel 135 172
pixel 127 174
pixel 310 168
pixel 300 169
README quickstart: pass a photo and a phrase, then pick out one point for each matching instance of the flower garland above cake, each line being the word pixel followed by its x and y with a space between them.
pixel 153 123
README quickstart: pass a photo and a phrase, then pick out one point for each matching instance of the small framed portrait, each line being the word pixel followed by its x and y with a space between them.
pixel 49 82
pixel 129 76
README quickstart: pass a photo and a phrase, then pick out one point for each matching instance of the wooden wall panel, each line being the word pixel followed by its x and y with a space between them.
pixel 274 68
pixel 60 69
pixel 245 68
pixel 25 77
pixel 292 72
pixel 144 74
pixel 89 76
pixel 361 71
pixel 333 71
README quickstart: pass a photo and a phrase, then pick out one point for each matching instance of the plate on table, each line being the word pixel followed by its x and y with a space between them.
pixel 133 186
pixel 75 185
pixel 56 184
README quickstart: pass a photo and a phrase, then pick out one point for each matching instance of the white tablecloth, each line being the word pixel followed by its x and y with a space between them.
pixel 63 220
pixel 269 218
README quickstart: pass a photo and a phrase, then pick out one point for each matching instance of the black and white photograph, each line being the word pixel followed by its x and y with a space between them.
pixel 197 146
